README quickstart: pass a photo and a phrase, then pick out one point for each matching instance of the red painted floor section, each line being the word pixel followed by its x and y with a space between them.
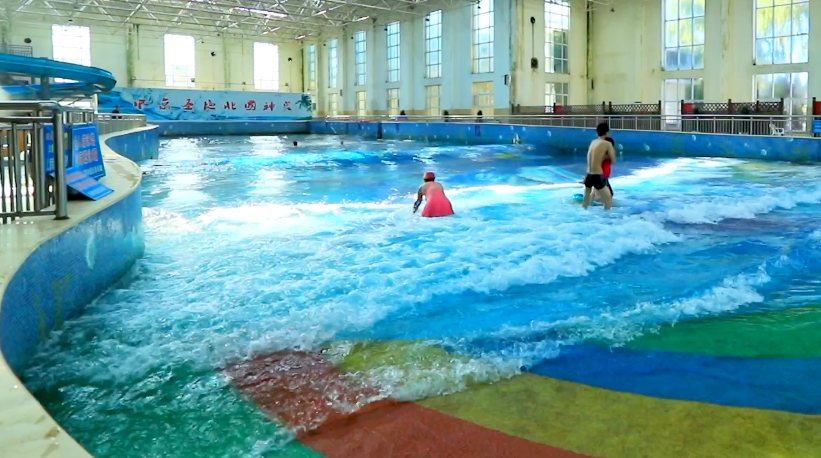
pixel 306 391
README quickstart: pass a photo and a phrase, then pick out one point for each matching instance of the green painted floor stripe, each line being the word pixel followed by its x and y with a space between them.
pixel 794 333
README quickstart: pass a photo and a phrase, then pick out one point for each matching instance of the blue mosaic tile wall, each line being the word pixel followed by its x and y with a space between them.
pixel 137 146
pixel 576 140
pixel 188 128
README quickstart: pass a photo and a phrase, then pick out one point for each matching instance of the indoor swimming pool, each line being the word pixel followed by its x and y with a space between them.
pixel 285 287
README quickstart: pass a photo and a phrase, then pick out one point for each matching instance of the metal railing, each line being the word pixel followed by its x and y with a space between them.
pixel 116 122
pixel 30 185
pixel 736 124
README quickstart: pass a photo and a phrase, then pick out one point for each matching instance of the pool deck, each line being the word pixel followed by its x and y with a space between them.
pixel 26 429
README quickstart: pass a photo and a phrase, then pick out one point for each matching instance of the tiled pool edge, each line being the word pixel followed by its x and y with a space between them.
pixel 83 255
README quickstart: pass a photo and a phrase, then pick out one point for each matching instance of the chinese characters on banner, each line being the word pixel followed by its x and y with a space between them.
pixel 187 104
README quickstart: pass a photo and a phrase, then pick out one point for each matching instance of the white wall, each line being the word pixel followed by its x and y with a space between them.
pixel 231 68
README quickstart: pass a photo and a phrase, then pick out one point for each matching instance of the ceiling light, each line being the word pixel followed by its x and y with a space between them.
pixel 320 13
pixel 361 18
pixel 299 37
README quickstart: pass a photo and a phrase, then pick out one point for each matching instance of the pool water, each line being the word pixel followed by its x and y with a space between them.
pixel 257 247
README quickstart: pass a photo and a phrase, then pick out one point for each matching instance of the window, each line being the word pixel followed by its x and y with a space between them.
pixel 792 87
pixel 393 102
pixel 359 56
pixel 433 45
pixel 483 37
pixel 393 52
pixel 333 104
pixel 556 26
pixel 683 34
pixel 555 93
pixel 71 43
pixel 782 32
pixel 361 107
pixel 266 66
pixel 179 60
pixel 432 100
pixel 483 97
pixel 312 67
pixel 678 90
pixel 333 63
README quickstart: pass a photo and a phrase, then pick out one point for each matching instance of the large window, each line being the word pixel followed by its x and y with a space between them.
pixel 483 37
pixel 393 52
pixel 483 97
pixel 792 87
pixel 433 45
pixel 359 57
pixel 333 63
pixel 678 90
pixel 556 27
pixel 683 34
pixel 266 66
pixel 71 43
pixel 432 100
pixel 782 32
pixel 361 103
pixel 179 60
pixel 393 101
pixel 555 93
pixel 333 104
pixel 312 67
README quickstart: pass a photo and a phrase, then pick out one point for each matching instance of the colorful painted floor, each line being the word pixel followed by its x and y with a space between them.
pixel 707 389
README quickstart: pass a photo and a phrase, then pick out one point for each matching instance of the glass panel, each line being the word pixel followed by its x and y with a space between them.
pixel 784 2
pixel 671 59
pixel 782 20
pixel 698 31
pixel 685 89
pixel 671 90
pixel 685 32
pixel 698 8
pixel 671 10
pixel 800 49
pixel 762 3
pixel 698 89
pixel 685 58
pixel 685 8
pixel 671 108
pixel 698 57
pixel 781 85
pixel 781 51
pixel 764 23
pixel 801 18
pixel 763 87
pixel 800 83
pixel 764 51
pixel 671 34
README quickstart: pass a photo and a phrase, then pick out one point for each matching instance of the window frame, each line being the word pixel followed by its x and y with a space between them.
pixel 485 8
pixel 550 7
pixel 565 94
pixel 393 29
pixel 361 105
pixel 797 125
pixel 176 40
pixel 694 44
pixel 360 58
pixel 429 108
pixel 791 37
pixel 433 45
pixel 312 67
pixel 333 63
pixel 266 64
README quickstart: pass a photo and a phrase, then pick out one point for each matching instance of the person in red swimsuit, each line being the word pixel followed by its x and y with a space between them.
pixel 606 166
pixel 433 192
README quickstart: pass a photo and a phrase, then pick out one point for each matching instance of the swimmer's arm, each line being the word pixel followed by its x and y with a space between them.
pixel 418 202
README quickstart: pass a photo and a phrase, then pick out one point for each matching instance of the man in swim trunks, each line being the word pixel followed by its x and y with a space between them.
pixel 433 192
pixel 606 169
pixel 599 151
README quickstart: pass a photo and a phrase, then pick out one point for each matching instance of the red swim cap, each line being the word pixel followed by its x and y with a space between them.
pixel 429 176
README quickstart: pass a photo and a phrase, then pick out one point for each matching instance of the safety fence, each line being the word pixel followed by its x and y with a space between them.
pixel 33 159
pixel 774 125
pixel 114 122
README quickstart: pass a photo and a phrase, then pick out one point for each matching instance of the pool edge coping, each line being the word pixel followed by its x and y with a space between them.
pixel 27 430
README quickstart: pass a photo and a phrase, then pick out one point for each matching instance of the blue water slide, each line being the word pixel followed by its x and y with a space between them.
pixel 87 80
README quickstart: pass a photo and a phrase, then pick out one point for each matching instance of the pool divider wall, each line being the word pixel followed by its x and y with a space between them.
pixel 49 271
pixel 575 140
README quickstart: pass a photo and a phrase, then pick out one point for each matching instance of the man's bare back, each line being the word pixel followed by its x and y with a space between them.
pixel 599 150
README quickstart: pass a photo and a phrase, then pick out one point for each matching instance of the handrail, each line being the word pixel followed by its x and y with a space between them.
pixel 118 122
pixel 29 184
pixel 734 124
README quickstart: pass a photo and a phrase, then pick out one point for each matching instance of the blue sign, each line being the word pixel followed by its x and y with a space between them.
pixel 86 155
pixel 49 133
pixel 86 185
pixel 162 104
pixel 816 126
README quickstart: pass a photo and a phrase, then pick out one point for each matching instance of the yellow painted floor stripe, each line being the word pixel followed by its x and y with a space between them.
pixel 604 423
